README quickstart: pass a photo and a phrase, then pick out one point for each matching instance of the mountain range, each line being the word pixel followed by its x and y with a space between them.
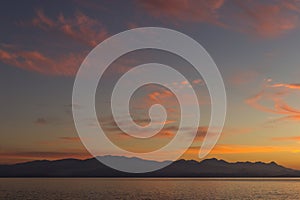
pixel 180 168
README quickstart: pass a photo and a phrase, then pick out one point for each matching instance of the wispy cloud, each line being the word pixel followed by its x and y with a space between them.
pixel 81 27
pixel 184 11
pixel 276 93
pixel 60 141
pixel 21 156
pixel 221 149
pixel 291 85
pixel 263 18
pixel 66 65
pixel 267 19
pixel 296 138
pixel 71 139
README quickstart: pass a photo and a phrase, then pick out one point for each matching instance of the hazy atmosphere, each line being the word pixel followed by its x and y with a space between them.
pixel 255 45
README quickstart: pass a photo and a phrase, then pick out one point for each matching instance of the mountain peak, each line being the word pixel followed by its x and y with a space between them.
pixel 273 163
pixel 213 160
pixel 181 168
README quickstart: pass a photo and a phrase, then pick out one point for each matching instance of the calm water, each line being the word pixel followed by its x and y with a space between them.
pixel 99 188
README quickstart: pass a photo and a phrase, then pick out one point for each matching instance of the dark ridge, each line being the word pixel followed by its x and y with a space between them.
pixel 180 168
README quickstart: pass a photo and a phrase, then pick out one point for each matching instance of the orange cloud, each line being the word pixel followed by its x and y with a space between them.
pixel 221 149
pixel 297 138
pixel 15 157
pixel 60 141
pixel 291 86
pixel 184 82
pixel 197 81
pixel 287 118
pixel 81 27
pixel 154 94
pixel 275 93
pixel 71 139
pixel 164 134
pixel 266 19
pixel 167 98
pixel 42 21
pixel 169 130
pixel 161 95
pixel 38 62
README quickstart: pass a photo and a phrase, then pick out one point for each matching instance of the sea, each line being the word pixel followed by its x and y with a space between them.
pixel 149 188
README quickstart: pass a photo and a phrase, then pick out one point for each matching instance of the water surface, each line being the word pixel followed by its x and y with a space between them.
pixel 154 188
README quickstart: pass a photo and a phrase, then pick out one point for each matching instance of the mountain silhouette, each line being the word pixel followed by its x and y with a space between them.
pixel 180 168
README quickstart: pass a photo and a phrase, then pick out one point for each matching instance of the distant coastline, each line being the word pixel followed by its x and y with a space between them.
pixel 209 168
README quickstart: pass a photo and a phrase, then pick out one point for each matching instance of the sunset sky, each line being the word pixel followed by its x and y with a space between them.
pixel 255 45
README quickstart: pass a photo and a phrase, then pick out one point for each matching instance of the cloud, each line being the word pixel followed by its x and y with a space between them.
pixel 21 156
pixel 297 139
pixel 61 65
pixel 160 96
pixel 70 139
pixel 275 93
pixel 238 149
pixel 292 5
pixel 291 86
pixel 131 25
pixel 267 19
pixel 197 81
pixel 286 118
pixel 221 149
pixel 60 141
pixel 262 18
pixel 153 94
pixel 183 11
pixel 169 130
pixel 42 21
pixel 80 27
pixel 66 65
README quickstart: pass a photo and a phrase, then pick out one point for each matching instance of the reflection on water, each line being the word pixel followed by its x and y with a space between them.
pixel 99 188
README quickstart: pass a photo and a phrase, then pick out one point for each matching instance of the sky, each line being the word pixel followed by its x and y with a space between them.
pixel 255 45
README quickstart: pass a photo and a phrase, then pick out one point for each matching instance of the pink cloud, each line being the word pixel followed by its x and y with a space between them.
pixel 184 11
pixel 42 20
pixel 266 19
pixel 40 63
pixel 80 27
